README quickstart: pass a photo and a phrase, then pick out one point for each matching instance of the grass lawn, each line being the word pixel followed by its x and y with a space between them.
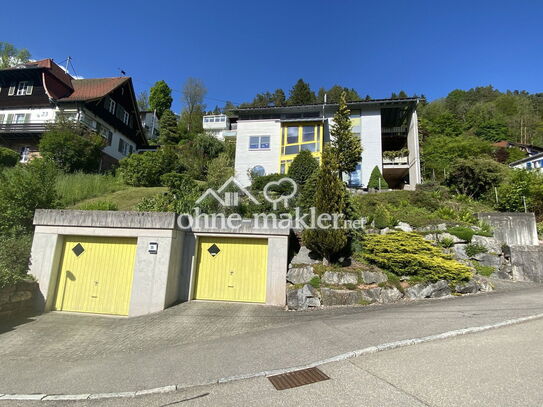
pixel 125 199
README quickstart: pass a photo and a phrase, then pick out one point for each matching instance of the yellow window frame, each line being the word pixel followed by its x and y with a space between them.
pixel 286 159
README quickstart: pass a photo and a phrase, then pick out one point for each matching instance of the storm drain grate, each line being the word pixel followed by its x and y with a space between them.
pixel 298 378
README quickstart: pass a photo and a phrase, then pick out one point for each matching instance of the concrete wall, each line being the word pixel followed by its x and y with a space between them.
pixel 156 276
pixel 371 143
pixel 513 228
pixel 247 159
pixel 414 153
pixel 527 263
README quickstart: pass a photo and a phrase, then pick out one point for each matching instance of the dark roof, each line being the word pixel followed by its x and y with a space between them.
pixel 353 104
pixel 506 143
pixel 90 89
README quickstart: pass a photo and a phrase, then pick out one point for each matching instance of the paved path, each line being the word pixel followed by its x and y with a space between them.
pixel 501 367
pixel 198 343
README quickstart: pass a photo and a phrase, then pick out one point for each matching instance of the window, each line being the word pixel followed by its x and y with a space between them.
pixel 292 135
pixel 258 171
pixel 310 147
pixel 292 150
pixel 259 143
pixel 111 106
pixel 130 149
pixel 19 118
pixel 126 117
pixel 308 133
pixel 121 146
pixel 24 88
pixel 529 166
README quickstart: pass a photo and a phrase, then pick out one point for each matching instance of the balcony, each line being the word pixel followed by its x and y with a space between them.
pixel 396 159
pixel 23 128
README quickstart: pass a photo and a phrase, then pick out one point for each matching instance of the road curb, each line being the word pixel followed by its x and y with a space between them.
pixel 266 373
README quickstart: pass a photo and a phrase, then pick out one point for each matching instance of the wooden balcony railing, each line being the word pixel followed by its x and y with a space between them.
pixel 22 127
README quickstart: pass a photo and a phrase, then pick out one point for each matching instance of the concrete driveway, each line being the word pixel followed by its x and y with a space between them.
pixel 198 343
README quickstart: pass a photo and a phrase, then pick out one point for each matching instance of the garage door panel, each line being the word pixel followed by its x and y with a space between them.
pixel 97 278
pixel 236 273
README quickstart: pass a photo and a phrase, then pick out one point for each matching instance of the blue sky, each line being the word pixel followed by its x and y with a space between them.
pixel 239 48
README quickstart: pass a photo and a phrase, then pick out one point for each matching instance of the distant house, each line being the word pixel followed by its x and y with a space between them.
pixel 534 162
pixel 35 94
pixel 220 126
pixel 527 148
pixel 150 123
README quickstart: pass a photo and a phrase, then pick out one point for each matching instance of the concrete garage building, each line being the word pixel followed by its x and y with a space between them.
pixel 133 263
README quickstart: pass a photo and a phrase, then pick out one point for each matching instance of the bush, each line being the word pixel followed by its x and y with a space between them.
pixel 8 158
pixel 374 180
pixel 382 218
pixel 475 176
pixel 302 167
pixel 24 189
pixel 315 282
pixel 72 147
pixel 180 198
pixel 14 258
pixel 76 187
pixel 306 197
pixel 519 184
pixel 219 170
pixel 404 253
pixel 145 170
pixel 474 249
pixel 540 230
pixel 99 206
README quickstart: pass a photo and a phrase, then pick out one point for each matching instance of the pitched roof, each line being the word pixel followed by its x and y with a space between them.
pixel 88 89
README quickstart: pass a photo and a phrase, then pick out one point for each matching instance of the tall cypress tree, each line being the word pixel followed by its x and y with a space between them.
pixel 347 147
pixel 330 198
pixel 168 129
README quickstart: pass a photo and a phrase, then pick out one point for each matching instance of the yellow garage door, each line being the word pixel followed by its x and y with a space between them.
pixel 96 275
pixel 231 269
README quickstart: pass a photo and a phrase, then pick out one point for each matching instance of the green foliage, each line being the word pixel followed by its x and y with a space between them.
pixel 409 254
pixel 492 130
pixel 219 170
pixel 145 169
pixel 10 56
pixel 333 95
pixel 474 177
pixel 330 197
pixel 462 232
pixel 484 270
pixel 72 147
pixel 315 282
pixel 515 154
pixel 14 257
pixel 8 158
pixel 519 184
pixel 382 217
pixel 76 187
pixel 99 206
pixel 540 230
pixel 302 167
pixel 301 94
pixel 374 180
pixel 473 249
pixel 259 182
pixel 197 153
pixel 160 98
pixel 446 242
pixel 168 129
pixel 345 145
pixel 306 197
pixel 180 198
pixel 24 189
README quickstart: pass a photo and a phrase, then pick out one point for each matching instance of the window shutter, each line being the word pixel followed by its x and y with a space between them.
pixel 29 88
pixel 11 91
pixel 10 118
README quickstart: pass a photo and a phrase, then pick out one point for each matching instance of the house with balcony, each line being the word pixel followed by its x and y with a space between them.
pixel 36 94
pixel 268 139
pixel 532 163
pixel 220 126
pixel 150 123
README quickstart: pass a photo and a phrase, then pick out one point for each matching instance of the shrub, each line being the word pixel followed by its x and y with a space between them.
pixel 24 189
pixel 8 158
pixel 72 147
pixel 145 170
pixel 14 258
pixel 474 176
pixel 315 282
pixel 76 187
pixel 484 270
pixel 404 253
pixel 219 170
pixel 377 181
pixel 540 230
pixel 474 249
pixel 462 232
pixel 382 218
pixel 302 167
pixel 180 198
pixel 99 206
pixel 446 242
pixel 306 197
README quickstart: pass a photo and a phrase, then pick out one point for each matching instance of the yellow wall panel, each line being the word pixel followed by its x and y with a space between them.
pixel 237 273
pixel 99 279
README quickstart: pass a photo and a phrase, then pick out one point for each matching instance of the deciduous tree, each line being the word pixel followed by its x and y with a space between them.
pixel 160 98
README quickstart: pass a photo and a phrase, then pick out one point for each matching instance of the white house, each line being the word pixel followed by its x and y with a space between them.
pixel 269 138
pixel 534 162
pixel 219 126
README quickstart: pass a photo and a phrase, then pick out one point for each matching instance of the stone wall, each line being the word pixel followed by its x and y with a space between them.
pixel 512 228
pixel 527 263
pixel 19 299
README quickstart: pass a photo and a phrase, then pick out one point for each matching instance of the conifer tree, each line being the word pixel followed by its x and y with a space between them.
pixel 347 147
pixel 377 181
pixel 160 98
pixel 168 129
pixel 301 94
pixel 330 198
